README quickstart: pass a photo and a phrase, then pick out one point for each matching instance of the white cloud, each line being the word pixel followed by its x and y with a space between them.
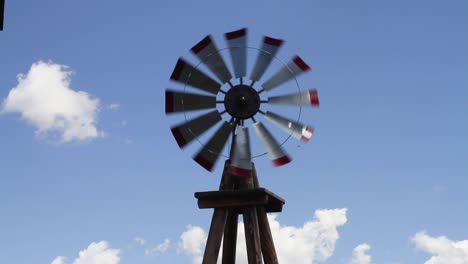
pixel 311 243
pixel 59 260
pixel 160 248
pixel 192 242
pixel 45 99
pixel 140 241
pixel 442 249
pixel 96 253
pixel 360 255
pixel 114 106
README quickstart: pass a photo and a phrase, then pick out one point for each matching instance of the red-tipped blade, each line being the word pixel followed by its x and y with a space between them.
pixel 295 129
pixel 237 43
pixel 187 74
pixel 275 152
pixel 241 156
pixel 304 98
pixel 294 68
pixel 181 101
pixel 268 50
pixel 207 52
pixel 211 151
pixel 188 131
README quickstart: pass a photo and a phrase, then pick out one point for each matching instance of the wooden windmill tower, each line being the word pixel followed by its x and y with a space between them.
pixel 229 100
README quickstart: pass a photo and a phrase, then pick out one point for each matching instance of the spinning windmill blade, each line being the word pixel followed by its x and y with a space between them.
pixel 269 48
pixel 294 68
pixel 211 151
pixel 276 153
pixel 302 98
pixel 181 101
pixel 207 52
pixel 187 74
pixel 188 131
pixel 242 102
pixel 241 158
pixel 237 43
pixel 294 128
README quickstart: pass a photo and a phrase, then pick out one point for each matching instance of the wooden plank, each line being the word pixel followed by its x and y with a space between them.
pixel 232 202
pixel 252 235
pixel 230 238
pixel 240 198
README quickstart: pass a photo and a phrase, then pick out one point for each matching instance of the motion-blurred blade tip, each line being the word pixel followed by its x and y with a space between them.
pixel 301 64
pixel 178 69
pixel 281 161
pixel 208 165
pixel 201 45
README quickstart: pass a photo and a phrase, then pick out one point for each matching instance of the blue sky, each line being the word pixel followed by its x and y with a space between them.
pixel 390 143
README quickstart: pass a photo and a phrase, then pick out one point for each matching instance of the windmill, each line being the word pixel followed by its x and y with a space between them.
pixel 235 104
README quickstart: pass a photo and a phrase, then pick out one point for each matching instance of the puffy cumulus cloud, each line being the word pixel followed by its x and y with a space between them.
pixel 44 98
pixel 313 242
pixel 96 253
pixel 360 255
pixel 442 249
pixel 160 248
pixel 192 243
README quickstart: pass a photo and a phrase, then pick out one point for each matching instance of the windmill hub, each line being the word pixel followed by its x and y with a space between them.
pixel 242 101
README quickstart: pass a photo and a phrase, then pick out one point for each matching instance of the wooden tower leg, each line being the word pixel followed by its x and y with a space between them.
pixel 215 235
pixel 252 235
pixel 267 244
pixel 230 238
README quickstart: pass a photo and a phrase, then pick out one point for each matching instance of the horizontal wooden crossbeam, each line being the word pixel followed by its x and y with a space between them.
pixel 241 198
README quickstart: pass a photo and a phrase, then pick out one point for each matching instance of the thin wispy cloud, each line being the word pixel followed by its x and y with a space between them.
pixel 160 248
pixel 114 106
pixel 45 99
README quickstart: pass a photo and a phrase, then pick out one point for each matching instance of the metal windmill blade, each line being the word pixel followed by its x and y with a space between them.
pixel 181 101
pixel 186 132
pixel 185 73
pixel 269 48
pixel 237 43
pixel 302 98
pixel 294 128
pixel 276 153
pixel 209 154
pixel 207 52
pixel 294 68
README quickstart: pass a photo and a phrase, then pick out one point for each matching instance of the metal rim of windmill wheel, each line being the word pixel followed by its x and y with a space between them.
pixel 241 101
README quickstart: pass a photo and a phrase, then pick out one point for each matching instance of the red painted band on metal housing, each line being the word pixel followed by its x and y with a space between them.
pixel 202 44
pixel 181 141
pixel 300 63
pixel 236 34
pixel 169 102
pixel 281 161
pixel 314 100
pixel 178 69
pixel 272 41
pixel 240 171
pixel 203 162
